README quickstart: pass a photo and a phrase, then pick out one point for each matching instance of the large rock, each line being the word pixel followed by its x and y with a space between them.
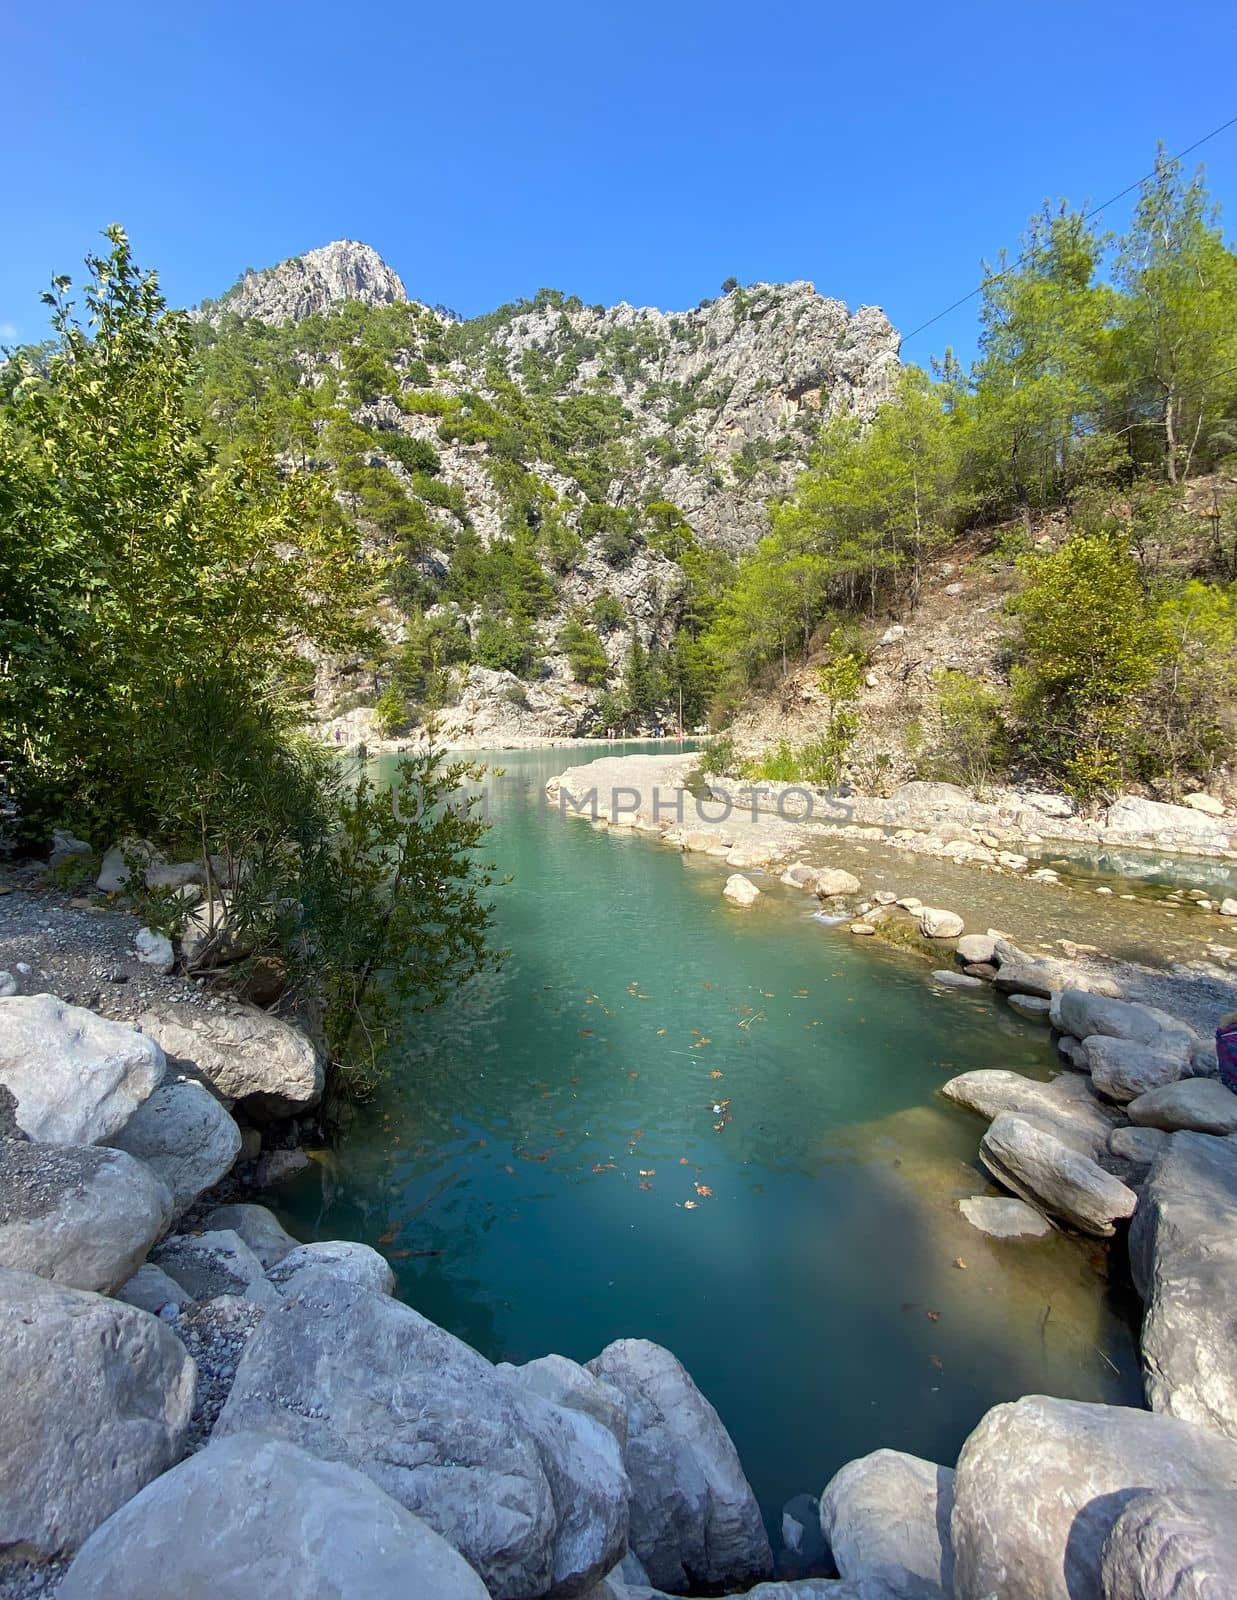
pixel 1177 1545
pixel 96 1402
pixel 342 1258
pixel 1065 1103
pixel 937 924
pixel 740 891
pixel 886 1516
pixel 830 882
pixel 533 1494
pixel 694 1519
pixel 1123 1070
pixel 77 1077
pixel 246 1054
pixel 257 1519
pixel 1082 1013
pixel 1195 1105
pixel 1183 1253
pixel 150 1289
pixel 976 948
pixel 1040 1483
pixel 210 1264
pixel 82 1216
pixel 259 1227
pixel 566 1383
pixel 1050 1176
pixel 185 1136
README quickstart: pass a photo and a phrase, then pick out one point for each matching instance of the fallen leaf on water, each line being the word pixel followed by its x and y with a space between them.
pixel 388 1237
pixel 644 1185
pixel 637 1133
pixel 958 1262
pixel 684 1162
pixel 703 1190
pixel 934 1316
pixel 768 995
pixel 706 984
pixel 603 1166
pixel 695 1033
pixel 689 1205
pixel 560 1133
pixel 716 1073
pixel 633 1074
pixel 719 1126
pixel 509 1168
pixel 745 1011
pixel 701 1042
pixel 648 1172
pixel 937 1363
pixel 660 1031
pixel 481 1143
pixel 586 1033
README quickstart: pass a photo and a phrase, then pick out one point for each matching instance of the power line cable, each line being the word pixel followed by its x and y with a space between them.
pixel 1092 211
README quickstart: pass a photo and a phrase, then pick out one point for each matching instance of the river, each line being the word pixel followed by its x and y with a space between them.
pixel 718 1129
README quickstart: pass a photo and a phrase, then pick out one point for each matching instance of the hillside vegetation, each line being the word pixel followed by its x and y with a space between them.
pixel 598 516
pixel 1106 380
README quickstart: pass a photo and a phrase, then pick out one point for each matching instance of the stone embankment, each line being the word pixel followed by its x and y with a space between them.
pixel 194 1403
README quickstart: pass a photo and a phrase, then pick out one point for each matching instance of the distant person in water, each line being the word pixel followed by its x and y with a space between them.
pixel 1226 1050
pixel 339 736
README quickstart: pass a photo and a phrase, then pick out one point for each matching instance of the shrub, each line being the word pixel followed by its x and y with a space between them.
pixel 417 456
pixel 973 744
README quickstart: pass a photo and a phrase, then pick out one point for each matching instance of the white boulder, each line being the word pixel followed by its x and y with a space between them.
pixel 251 1518
pixel 77 1077
pixel 97 1400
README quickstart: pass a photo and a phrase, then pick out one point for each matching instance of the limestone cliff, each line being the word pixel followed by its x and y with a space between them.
pixel 312 283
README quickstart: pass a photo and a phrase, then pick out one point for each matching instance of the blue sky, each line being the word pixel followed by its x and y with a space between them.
pixel 640 151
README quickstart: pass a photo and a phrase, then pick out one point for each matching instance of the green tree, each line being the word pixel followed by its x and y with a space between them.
pixel 1175 346
pixel 156 598
pixel 585 654
pixel 1089 648
pixel 1038 392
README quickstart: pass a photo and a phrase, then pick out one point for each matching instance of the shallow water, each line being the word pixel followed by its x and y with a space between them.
pixel 720 1130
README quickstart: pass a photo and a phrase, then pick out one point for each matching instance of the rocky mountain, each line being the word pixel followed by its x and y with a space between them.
pixel 728 395
pixel 556 477
pixel 312 283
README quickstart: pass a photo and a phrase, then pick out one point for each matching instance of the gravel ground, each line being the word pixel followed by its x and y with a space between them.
pixel 215 1335
pixel 76 947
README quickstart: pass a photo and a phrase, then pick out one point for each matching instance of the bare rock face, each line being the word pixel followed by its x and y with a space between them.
pixel 77 1214
pixel 97 1400
pixel 183 1135
pixel 1173 1546
pixel 77 1078
pixel 532 1494
pixel 694 1519
pixel 312 283
pixel 252 1518
pixel 886 1516
pixel 243 1052
pixel 1045 1172
pixel 1040 1483
pixel 1183 1253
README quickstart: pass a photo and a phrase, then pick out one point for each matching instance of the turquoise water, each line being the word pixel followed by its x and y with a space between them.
pixel 718 1129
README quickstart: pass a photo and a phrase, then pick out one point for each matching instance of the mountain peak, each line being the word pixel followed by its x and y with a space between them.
pixel 304 285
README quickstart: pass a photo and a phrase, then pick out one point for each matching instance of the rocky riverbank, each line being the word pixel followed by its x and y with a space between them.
pixel 277 1420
